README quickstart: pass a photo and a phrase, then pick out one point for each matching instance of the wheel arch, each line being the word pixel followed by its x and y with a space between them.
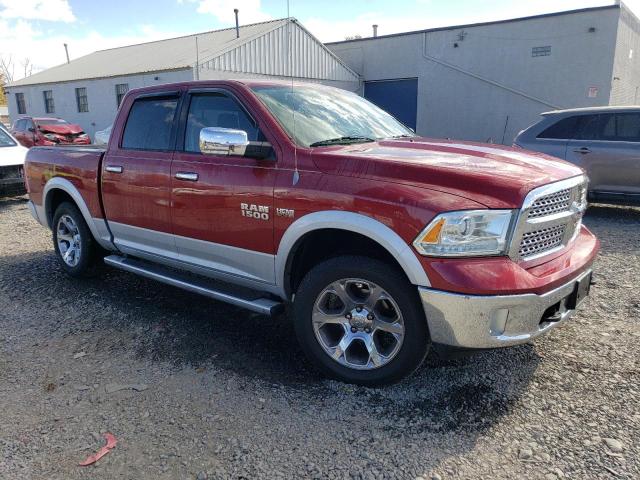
pixel 354 224
pixel 56 191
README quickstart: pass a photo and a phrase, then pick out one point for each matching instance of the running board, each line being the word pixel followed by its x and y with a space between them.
pixel 190 283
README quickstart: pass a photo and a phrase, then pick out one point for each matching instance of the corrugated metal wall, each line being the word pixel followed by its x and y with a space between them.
pixel 269 55
pixel 626 69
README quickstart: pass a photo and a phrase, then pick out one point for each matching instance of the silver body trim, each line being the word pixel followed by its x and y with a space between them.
pixel 472 321
pixel 98 226
pixel 352 222
pixel 263 306
pixel 524 224
pixel 211 259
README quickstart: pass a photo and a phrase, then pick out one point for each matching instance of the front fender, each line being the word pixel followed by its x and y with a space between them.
pixel 353 222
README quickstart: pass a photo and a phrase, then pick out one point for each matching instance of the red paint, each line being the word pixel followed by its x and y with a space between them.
pixel 403 184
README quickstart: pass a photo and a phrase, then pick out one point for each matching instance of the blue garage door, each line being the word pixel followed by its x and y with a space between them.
pixel 398 97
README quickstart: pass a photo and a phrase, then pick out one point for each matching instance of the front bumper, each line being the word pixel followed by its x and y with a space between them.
pixel 485 322
pixel 12 180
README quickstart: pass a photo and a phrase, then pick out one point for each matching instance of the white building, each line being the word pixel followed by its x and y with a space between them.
pixel 88 90
pixel 488 81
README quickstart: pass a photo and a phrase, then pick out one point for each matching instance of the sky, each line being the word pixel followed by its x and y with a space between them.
pixel 37 29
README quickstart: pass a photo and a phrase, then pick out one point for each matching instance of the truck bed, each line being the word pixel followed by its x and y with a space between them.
pixel 79 165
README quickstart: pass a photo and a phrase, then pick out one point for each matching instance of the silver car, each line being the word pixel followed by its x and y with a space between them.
pixel 605 141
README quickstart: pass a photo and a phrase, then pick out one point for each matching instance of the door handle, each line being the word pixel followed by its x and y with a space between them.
pixel 114 168
pixel 583 150
pixel 187 176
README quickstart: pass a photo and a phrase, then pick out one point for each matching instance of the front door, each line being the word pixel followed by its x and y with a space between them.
pixel 136 177
pixel 222 205
pixel 607 146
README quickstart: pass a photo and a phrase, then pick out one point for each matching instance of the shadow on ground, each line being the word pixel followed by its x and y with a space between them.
pixel 157 323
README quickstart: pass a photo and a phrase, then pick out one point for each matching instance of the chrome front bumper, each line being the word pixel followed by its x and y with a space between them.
pixel 483 322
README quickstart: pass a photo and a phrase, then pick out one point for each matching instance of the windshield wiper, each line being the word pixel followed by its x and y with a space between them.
pixel 342 141
pixel 404 136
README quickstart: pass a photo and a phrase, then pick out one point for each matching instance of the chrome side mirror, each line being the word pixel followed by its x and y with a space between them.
pixel 223 141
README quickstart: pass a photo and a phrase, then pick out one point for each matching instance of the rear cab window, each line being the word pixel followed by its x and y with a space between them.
pixel 150 124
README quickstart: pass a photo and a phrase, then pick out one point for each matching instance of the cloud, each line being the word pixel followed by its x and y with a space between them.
pixel 19 40
pixel 222 10
pixel 50 10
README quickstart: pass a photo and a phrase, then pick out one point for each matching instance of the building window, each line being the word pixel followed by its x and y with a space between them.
pixel 82 100
pixel 541 51
pixel 22 107
pixel 49 107
pixel 121 91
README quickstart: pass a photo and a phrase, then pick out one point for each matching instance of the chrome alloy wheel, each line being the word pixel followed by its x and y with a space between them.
pixel 69 241
pixel 358 324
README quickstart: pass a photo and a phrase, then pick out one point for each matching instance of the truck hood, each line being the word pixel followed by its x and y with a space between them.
pixel 70 129
pixel 495 176
pixel 10 156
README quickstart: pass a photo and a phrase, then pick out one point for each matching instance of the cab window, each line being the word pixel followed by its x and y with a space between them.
pixel 217 110
pixel 150 124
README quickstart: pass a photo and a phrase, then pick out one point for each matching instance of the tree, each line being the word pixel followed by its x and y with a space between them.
pixel 3 97
pixel 7 68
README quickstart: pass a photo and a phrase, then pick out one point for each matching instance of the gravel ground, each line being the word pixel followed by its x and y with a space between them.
pixel 192 388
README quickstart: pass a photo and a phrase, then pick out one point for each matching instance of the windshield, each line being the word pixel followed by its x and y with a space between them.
pixel 5 139
pixel 328 116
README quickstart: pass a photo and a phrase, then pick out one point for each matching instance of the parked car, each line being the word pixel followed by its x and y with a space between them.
pixel 384 243
pixel 604 141
pixel 102 137
pixel 48 131
pixel 12 156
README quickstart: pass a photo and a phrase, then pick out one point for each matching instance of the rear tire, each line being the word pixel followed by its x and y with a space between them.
pixel 73 242
pixel 359 320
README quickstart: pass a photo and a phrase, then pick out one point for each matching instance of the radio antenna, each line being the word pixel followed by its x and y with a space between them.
pixel 296 172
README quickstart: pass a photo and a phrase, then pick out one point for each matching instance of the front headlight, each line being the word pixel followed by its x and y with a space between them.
pixel 469 233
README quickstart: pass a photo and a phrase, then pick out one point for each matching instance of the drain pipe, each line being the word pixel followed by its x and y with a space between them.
pixel 235 10
pixel 463 71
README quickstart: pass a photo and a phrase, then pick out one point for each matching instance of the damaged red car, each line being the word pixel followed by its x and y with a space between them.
pixel 32 132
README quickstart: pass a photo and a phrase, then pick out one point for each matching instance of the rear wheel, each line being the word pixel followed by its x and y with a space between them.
pixel 73 242
pixel 360 321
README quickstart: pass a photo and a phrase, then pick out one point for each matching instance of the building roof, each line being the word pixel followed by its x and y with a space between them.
pixel 161 55
pixel 482 24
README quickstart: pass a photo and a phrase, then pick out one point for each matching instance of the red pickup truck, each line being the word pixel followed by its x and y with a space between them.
pixel 385 244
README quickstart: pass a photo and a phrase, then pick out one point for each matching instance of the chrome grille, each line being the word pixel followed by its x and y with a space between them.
pixel 551 204
pixel 542 240
pixel 549 219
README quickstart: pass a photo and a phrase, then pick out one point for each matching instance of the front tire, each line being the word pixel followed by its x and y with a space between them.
pixel 359 320
pixel 73 242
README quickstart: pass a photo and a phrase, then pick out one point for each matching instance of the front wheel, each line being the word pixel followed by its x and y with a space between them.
pixel 360 321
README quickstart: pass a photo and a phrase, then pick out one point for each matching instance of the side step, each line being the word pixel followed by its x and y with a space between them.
pixel 201 285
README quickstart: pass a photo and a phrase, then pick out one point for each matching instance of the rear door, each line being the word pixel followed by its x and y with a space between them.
pixel 136 176
pixel 607 146
pixel 222 205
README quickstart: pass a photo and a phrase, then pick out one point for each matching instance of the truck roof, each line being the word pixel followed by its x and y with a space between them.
pixel 248 82
pixel 586 110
